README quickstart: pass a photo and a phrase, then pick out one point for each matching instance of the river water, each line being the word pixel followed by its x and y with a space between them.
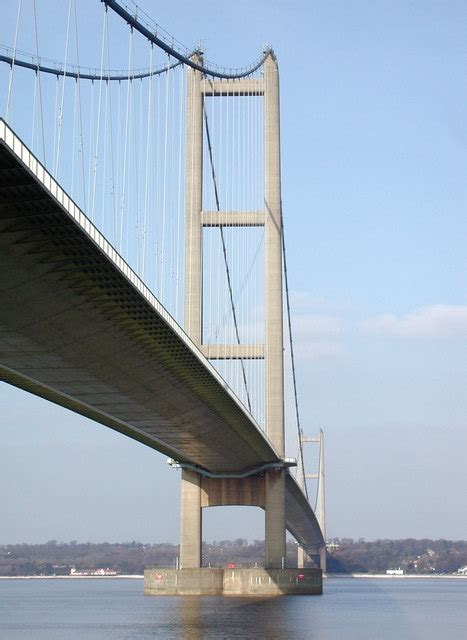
pixel 350 609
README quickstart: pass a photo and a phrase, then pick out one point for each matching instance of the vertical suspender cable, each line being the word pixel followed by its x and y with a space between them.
pixel 105 160
pixel 55 121
pixel 158 248
pixel 73 138
pixel 90 145
pixel 119 164
pixel 212 270
pixel 12 66
pixel 34 104
pixel 80 109
pixel 165 178
pixel 179 191
pixel 113 187
pixel 140 171
pixel 173 183
pixel 221 155
pixel 40 85
pixel 226 206
pixel 123 185
pixel 146 180
pixel 99 102
pixel 60 119
pixel 237 235
pixel 224 252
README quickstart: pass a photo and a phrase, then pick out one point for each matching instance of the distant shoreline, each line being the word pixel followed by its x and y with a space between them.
pixel 384 576
pixel 330 576
pixel 123 576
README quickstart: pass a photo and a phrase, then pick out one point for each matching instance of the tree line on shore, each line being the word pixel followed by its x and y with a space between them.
pixel 344 556
pixel 413 556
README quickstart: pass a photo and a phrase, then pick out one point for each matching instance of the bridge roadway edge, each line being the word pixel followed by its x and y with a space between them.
pixel 18 231
pixel 81 282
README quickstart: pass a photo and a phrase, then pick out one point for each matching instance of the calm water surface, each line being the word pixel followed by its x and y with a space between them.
pixel 350 609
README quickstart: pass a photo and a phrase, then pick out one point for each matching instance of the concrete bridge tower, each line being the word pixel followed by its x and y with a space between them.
pixel 269 491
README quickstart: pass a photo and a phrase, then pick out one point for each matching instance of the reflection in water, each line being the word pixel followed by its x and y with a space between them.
pixel 189 614
pixel 228 618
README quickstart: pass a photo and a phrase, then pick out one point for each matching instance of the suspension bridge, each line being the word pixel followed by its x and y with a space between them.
pixel 142 263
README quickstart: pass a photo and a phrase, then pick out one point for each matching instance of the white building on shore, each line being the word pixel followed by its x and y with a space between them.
pixel 92 572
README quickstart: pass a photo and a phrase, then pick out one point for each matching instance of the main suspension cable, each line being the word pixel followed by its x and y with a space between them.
pixel 292 357
pixel 133 21
pixel 58 69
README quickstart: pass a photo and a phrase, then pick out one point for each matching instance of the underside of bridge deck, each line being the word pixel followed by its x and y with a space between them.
pixel 79 328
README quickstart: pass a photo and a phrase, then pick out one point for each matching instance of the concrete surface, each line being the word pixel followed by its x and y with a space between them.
pixel 233 582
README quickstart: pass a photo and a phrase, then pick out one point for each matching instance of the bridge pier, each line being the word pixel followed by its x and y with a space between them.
pixel 266 491
pixel 232 582
pixel 191 520
pixel 302 555
pixel 322 558
pixel 274 533
pixel 198 492
pixel 273 488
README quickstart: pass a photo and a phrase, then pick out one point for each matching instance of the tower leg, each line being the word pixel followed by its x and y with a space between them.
pixel 300 557
pixel 322 558
pixel 191 521
pixel 275 519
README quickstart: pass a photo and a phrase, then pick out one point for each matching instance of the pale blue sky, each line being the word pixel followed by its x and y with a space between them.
pixel 374 143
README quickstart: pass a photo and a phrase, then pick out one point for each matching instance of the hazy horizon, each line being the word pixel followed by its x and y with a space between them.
pixel 216 541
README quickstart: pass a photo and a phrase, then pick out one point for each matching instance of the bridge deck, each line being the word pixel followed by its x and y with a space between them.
pixel 78 327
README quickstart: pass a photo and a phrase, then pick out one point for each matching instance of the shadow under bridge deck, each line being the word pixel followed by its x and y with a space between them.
pixel 79 328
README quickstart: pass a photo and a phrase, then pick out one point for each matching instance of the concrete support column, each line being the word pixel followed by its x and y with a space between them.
pixel 300 557
pixel 321 501
pixel 275 551
pixel 274 359
pixel 191 521
pixel 322 558
pixel 191 514
pixel 193 205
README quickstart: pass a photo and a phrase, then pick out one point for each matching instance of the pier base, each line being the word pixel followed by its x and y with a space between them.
pixel 232 582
